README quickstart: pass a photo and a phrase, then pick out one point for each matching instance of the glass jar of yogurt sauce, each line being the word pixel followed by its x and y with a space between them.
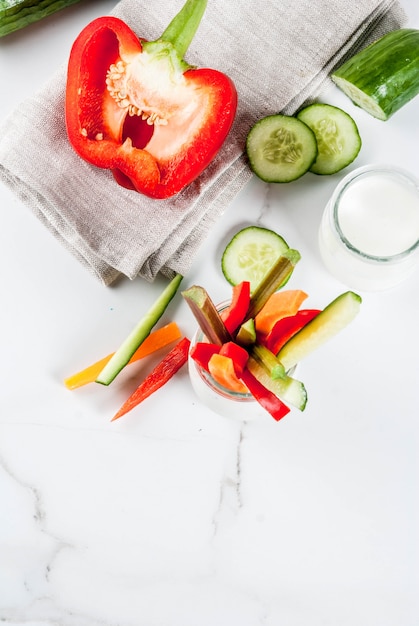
pixel 232 404
pixel 225 402
pixel 369 233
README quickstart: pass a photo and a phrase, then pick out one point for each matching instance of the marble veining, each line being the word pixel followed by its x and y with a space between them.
pixel 230 500
pixel 174 515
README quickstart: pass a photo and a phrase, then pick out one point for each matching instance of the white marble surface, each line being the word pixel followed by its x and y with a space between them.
pixel 174 516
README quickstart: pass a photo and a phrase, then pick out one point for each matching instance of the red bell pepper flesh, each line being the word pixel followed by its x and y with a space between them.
pixel 160 375
pixel 155 135
pixel 234 315
pixel 268 400
pixel 237 354
pixel 201 353
pixel 287 327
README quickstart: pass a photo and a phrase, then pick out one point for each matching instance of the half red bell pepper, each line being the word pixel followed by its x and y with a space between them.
pixel 137 108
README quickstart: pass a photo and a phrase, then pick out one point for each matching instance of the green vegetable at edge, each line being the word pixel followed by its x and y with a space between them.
pixel 384 76
pixel 139 333
pixel 16 14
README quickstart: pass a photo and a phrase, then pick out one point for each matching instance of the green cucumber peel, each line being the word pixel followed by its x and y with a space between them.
pixel 384 76
pixel 288 389
pixel 142 329
pixel 337 136
pixel 328 323
pixel 16 14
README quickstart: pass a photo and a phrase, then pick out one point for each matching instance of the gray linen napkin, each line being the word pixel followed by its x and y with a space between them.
pixel 279 54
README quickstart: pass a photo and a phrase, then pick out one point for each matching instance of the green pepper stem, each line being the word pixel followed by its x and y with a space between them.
pixel 184 25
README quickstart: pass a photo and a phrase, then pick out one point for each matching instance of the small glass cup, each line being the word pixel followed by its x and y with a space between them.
pixel 369 233
pixel 225 402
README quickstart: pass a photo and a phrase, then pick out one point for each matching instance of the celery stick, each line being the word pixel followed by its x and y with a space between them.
pixel 206 315
pixel 268 360
pixel 272 281
pixel 139 333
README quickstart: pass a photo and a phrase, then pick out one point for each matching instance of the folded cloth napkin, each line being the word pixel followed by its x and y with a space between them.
pixel 278 53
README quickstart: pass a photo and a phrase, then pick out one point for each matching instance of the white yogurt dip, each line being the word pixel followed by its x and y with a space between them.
pixel 369 234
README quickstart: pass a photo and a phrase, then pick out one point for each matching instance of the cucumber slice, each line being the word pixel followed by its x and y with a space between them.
pixel 338 314
pixel 384 76
pixel 337 136
pixel 280 148
pixel 250 254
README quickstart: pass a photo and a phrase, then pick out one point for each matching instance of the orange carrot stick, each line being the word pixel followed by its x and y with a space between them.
pixel 222 370
pixel 280 304
pixel 157 339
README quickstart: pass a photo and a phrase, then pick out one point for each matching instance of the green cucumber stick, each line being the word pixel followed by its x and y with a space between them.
pixel 139 333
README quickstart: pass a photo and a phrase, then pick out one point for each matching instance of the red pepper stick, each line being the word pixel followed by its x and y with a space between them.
pixel 268 400
pixel 202 352
pixel 287 327
pixel 234 315
pixel 159 376
pixel 237 354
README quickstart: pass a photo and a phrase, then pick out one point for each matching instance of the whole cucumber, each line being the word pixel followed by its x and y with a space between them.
pixel 15 14
pixel 384 76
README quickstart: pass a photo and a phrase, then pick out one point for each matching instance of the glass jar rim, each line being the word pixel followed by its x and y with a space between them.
pixel 206 376
pixel 346 182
